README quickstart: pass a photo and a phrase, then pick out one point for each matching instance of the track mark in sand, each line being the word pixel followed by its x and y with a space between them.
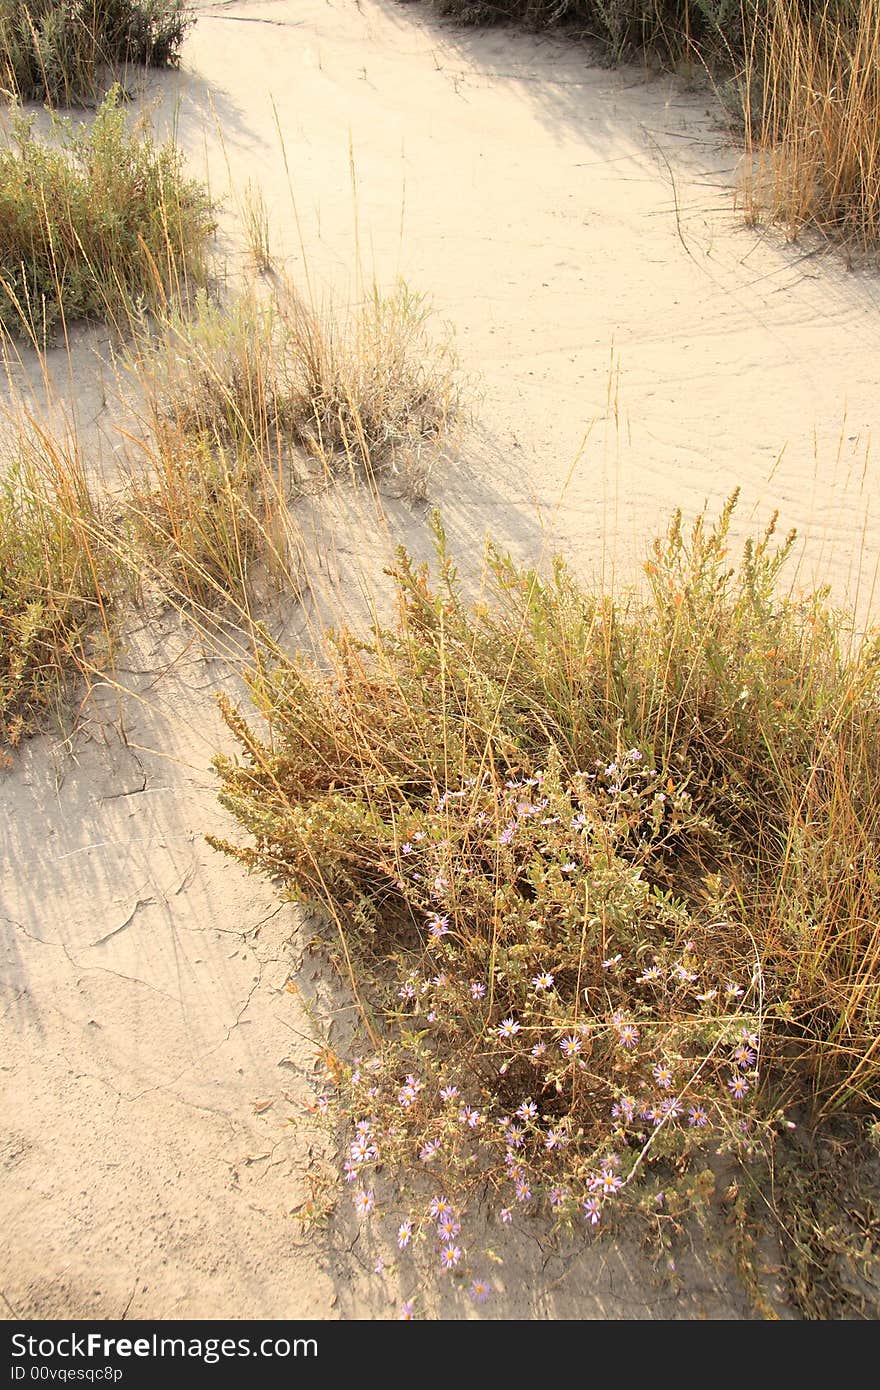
pixel 9 1305
pixel 134 791
pixel 141 902
pixel 88 969
pixel 255 19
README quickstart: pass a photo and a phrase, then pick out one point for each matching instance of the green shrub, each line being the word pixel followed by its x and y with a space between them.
pixel 57 49
pixel 94 220
pixel 664 27
pixel 716 30
pixel 603 869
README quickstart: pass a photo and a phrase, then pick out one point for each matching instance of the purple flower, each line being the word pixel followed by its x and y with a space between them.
pixel 480 1290
pixel 363 1149
pixel 478 990
pixel 404 1234
pixel 570 1046
pixel 592 1210
pixel 407 1096
pixel 507 1028
pixel 406 1312
pixel 609 1182
pixel 438 928
pixel 363 1202
pixel 450 1256
pixel 448 1227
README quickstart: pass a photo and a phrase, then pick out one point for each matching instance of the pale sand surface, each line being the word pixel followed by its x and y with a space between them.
pixel 576 228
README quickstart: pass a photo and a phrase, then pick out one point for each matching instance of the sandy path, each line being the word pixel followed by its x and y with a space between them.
pixel 575 226
pixel 566 220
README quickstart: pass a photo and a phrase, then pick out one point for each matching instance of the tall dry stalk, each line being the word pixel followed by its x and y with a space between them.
pixel 812 84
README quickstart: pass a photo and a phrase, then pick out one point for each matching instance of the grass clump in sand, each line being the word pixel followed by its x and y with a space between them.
pixel 603 870
pixel 59 50
pixel 812 103
pixel 55 580
pixel 95 220
pixel 251 403
pixel 366 392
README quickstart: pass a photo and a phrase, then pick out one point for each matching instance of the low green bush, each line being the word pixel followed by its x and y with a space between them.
pixel 603 871
pixel 94 219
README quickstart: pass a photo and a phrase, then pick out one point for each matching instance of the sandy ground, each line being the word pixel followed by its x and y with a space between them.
pixel 576 228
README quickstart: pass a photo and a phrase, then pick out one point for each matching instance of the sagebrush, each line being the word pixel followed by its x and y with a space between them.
pixel 94 221
pixel 603 870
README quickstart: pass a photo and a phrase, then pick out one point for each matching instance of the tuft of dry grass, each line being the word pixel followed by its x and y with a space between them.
pixel 812 104
pixel 368 392
pixel 56 580
pixel 249 403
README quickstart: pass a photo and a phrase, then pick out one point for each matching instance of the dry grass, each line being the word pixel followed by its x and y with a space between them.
pixel 233 412
pixel 56 579
pixel 251 403
pixel 812 103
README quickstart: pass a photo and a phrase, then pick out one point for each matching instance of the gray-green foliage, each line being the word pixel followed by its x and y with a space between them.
pixel 718 30
pixel 93 219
